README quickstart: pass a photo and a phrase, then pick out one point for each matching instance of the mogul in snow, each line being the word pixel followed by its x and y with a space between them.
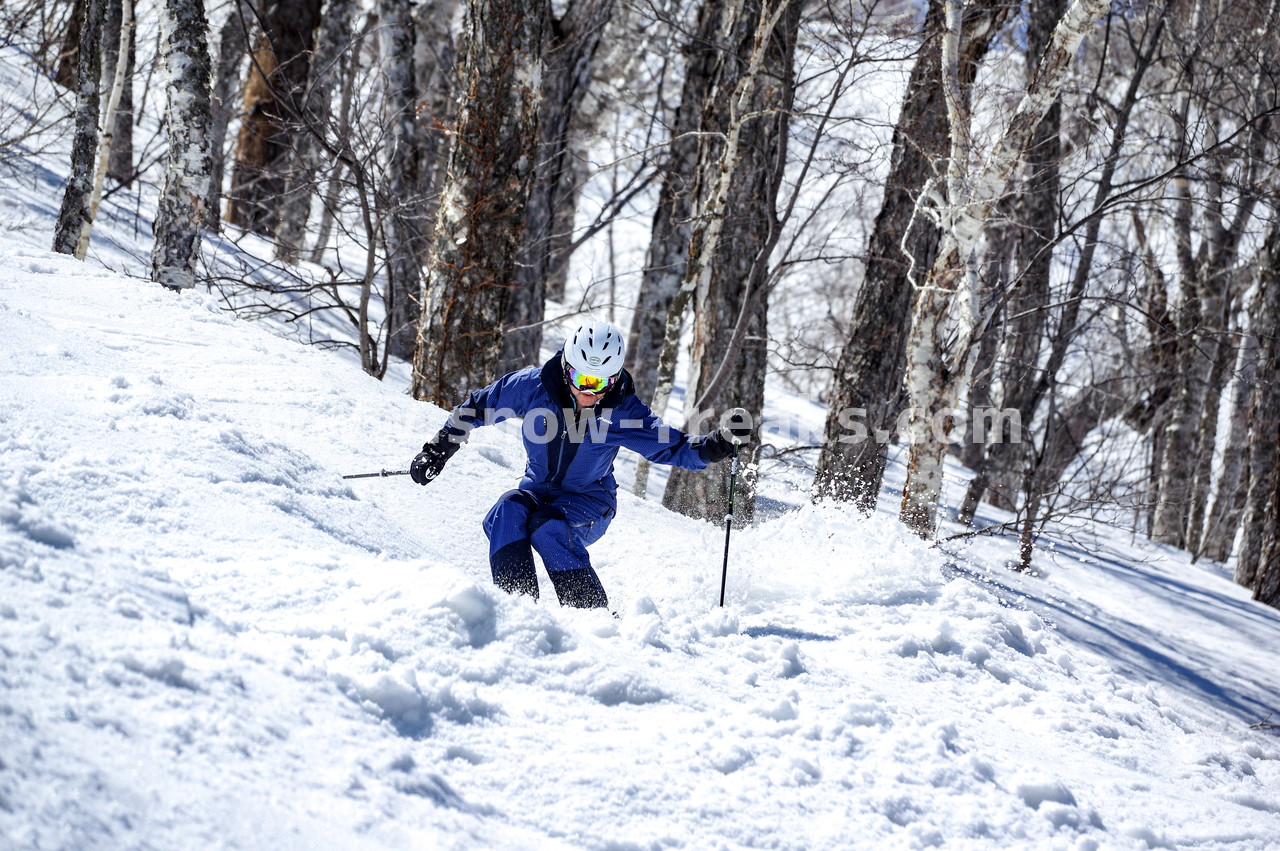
pixel 579 408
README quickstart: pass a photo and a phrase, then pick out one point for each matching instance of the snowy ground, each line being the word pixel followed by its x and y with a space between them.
pixel 210 639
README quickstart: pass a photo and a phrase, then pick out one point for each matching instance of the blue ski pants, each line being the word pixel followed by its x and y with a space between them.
pixel 560 529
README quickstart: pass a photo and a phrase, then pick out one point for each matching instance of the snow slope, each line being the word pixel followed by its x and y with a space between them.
pixel 209 639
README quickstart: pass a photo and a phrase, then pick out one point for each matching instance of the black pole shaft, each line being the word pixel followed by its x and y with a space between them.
pixel 378 475
pixel 728 525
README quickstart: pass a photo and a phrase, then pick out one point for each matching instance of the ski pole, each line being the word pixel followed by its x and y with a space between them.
pixel 728 523
pixel 378 474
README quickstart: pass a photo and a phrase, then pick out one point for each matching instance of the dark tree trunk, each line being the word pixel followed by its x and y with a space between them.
pixel 67 71
pixel 234 38
pixel 481 219
pixel 669 235
pixel 1258 524
pixel 403 207
pixel 185 54
pixel 868 382
pixel 305 159
pixel 571 47
pixel 277 80
pixel 736 287
pixel 75 216
pixel 1266 586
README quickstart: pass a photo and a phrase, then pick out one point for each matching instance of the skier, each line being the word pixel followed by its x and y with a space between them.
pixel 579 408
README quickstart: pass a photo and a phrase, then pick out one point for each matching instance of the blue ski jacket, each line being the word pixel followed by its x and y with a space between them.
pixel 572 452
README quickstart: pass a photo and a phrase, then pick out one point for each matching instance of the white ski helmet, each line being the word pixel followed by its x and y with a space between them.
pixel 596 348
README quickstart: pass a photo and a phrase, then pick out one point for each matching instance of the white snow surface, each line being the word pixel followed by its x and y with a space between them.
pixel 209 639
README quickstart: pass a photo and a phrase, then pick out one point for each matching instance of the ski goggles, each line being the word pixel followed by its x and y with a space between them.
pixel 588 383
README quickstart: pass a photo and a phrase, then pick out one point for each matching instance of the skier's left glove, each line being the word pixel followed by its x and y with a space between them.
pixel 431 460
pixel 735 425
pixel 735 429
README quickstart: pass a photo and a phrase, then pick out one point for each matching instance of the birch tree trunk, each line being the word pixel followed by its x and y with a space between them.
pixel 120 151
pixel 414 215
pixel 937 367
pixel 185 55
pixel 1023 335
pixel 481 219
pixel 124 42
pixel 1228 501
pixel 730 334
pixel 572 45
pixel 869 372
pixel 76 217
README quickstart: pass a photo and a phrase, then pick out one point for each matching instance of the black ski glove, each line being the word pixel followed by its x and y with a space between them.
pixel 431 460
pixel 735 425
pixel 735 429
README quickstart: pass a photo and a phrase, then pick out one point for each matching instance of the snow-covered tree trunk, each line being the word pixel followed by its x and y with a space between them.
pixel 76 217
pixel 869 372
pixel 481 218
pixel 572 45
pixel 184 52
pixel 730 332
pixel 944 320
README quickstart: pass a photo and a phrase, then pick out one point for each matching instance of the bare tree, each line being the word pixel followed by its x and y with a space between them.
pixel 869 373
pixel 944 320
pixel 481 218
pixel 573 40
pixel 277 78
pixel 669 232
pixel 1264 422
pixel 730 355
pixel 1209 289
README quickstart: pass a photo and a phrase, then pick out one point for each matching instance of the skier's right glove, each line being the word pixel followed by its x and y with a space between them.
pixel 431 460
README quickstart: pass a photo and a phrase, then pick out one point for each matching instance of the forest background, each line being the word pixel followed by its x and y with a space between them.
pixel 1064 213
